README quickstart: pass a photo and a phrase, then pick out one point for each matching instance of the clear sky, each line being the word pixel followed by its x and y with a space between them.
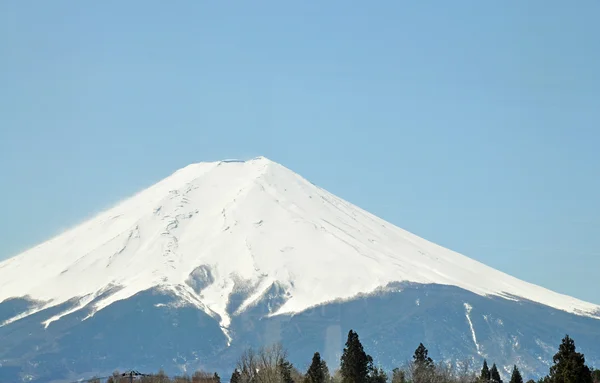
pixel 474 124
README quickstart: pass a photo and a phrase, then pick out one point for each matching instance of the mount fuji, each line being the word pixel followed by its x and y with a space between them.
pixel 227 255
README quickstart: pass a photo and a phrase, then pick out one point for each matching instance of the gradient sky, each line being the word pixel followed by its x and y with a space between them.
pixel 474 124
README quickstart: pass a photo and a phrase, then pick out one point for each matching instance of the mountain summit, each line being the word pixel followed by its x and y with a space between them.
pixel 211 226
pixel 212 232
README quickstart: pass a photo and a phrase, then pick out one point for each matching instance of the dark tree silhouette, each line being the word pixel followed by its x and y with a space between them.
pixel 355 362
pixel 569 365
pixel 317 372
pixel 485 375
pixel 495 375
pixel 516 376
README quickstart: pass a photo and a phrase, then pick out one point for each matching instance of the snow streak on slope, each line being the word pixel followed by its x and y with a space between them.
pixel 468 309
pixel 207 227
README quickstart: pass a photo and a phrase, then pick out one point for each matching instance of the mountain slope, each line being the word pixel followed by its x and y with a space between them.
pixel 210 226
pixel 242 253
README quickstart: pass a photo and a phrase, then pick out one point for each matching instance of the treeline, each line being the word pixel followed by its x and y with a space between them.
pixel 271 365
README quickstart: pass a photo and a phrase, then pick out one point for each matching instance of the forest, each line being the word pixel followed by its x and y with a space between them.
pixel 271 365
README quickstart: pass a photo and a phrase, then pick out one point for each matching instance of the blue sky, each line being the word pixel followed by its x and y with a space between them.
pixel 473 124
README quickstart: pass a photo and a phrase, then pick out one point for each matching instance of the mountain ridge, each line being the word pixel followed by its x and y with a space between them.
pixel 222 256
pixel 273 225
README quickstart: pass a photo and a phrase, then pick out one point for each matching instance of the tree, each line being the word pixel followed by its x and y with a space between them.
pixel 336 377
pixel 115 378
pixel 569 365
pixel 421 356
pixel 495 375
pixel 318 371
pixel 596 376
pixel 268 365
pixel 377 375
pixel 355 362
pixel 285 370
pixel 398 376
pixel 236 377
pixel 162 377
pixel 205 377
pixel 485 373
pixel 516 376
pixel 247 366
pixel 423 367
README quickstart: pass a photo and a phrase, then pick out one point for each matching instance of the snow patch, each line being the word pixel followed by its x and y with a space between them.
pixel 26 314
pixel 468 309
pixel 80 304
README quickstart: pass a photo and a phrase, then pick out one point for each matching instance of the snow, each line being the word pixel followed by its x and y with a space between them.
pixel 468 309
pixel 253 221
pixel 81 304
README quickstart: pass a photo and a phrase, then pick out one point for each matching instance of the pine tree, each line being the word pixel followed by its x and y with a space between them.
pixel 421 356
pixel 516 376
pixel 318 371
pixel 354 366
pixel 423 365
pixel 236 377
pixel 569 365
pixel 485 373
pixel 495 375
pixel 216 378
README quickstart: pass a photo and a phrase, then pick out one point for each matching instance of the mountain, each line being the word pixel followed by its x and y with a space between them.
pixel 225 255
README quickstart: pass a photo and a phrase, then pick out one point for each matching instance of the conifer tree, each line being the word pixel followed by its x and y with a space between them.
pixel 516 376
pixel 421 356
pixel 485 373
pixel 569 365
pixel 423 365
pixel 317 372
pixel 495 375
pixel 285 371
pixel 355 362
pixel 236 377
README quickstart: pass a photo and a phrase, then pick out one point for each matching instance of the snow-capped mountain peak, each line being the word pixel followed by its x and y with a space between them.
pixel 212 229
